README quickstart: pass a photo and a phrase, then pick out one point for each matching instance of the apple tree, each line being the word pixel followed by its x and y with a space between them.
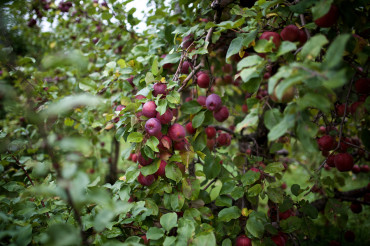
pixel 225 122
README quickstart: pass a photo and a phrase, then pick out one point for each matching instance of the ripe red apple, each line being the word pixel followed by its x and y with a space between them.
pixel 144 161
pixel 146 180
pixel 356 169
pixel 165 143
pixel 354 107
pixel 343 162
pixel 243 240
pixel 120 107
pixel 187 41
pixel 340 109
pixel 286 214
pixel 326 143
pixel 278 240
pixel 213 102
pixel 364 168
pixel 224 139
pixel 166 117
pixel 166 66
pixel 362 86
pixel 159 88
pixel 139 97
pixel 222 114
pixel 149 109
pixel 228 79
pixel 203 79
pixel 329 18
pixel 134 157
pixel 349 236
pixel 202 100
pixel 181 145
pixel 211 132
pixel 176 132
pixel 190 129
pixel 356 207
pixel 290 33
pixel 283 186
pixel 211 143
pixel 302 37
pixel 245 108
pixel 330 160
pixel 161 169
pixel 153 126
pixel 185 67
pixel 275 38
pixel 227 68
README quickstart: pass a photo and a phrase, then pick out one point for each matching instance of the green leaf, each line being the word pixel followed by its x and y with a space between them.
pixel 173 172
pixel 211 168
pixel 281 128
pixel 291 224
pixel 321 8
pixel 250 177
pixel 155 233
pixel 312 47
pixel 272 117
pixel 336 50
pixel 191 107
pixel 149 78
pixel 255 225
pixel 200 142
pixel 135 137
pixel 234 47
pixel 169 221
pixel 198 119
pixel 275 194
pixel 296 189
pixel 286 47
pixel 274 167
pixel 155 66
pixel 264 46
pixel 169 241
pixel 191 188
pixel 310 211
pixel 250 120
pixel 314 100
pixel 208 239
pixel 249 73
pixel 171 58
pixel 153 142
pixel 255 190
pixel 249 61
pixel 227 242
pixel 227 214
pixel 150 169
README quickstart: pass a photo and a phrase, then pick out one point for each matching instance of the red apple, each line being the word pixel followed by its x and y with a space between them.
pixel 146 180
pixel 222 114
pixel 161 169
pixel 243 240
pixel 329 18
pixel 213 102
pixel 190 129
pixel 149 109
pixel 362 86
pixel 203 80
pixel 275 38
pixel 185 67
pixel 326 143
pixel 166 117
pixel 202 100
pixel 356 207
pixel 290 33
pixel 153 126
pixel 343 162
pixel 144 161
pixel 176 132
pixel 349 236
pixel 159 88
pixel 211 132
pixel 364 168
pixel 224 139
pixel 278 240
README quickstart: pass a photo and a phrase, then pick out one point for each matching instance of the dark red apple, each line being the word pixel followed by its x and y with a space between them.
pixel 187 41
pixel 302 37
pixel 243 240
pixel 343 162
pixel 356 207
pixel 211 144
pixel 364 168
pixel 166 117
pixel 159 88
pixel 149 109
pixel 275 38
pixel 227 68
pixel 134 157
pixel 362 86
pixel 326 143
pixel 203 80
pixel 202 100
pixel 211 132
pixel 166 66
pixel 228 79
pixel 144 161
pixel 153 126
pixel 162 169
pixel 139 97
pixel 165 143
pixel 213 102
pixel 146 180
pixel 278 240
pixel 224 139
pixel 176 132
pixel 190 129
pixel 354 106
pixel 185 67
pixel 120 107
pixel 181 145
pixel 290 33
pixel 330 160
pixel 349 236
pixel 340 109
pixel 329 18
pixel 334 243
pixel 222 114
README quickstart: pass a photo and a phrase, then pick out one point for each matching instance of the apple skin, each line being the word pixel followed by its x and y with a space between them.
pixel 213 102
pixel 329 18
pixel 344 162
pixel 278 240
pixel 185 67
pixel 142 161
pixel 364 168
pixel 146 180
pixel 162 169
pixel 203 80
pixel 290 33
pixel 349 236
pixel 275 38
pixel 153 126
pixel 181 145
pixel 149 109
pixel 340 109
pixel 287 96
pixel 227 68
pixel 302 37
pixel 222 114
pixel 187 41
pixel 330 160
pixel 202 100
pixel 176 132
pixel 356 207
pixel 362 86
pixel 211 132
pixel 165 143
pixel 228 79
pixel 190 129
pixel 245 108
pixel 326 143
pixel 165 118
pixel 243 240
pixel 211 143
pixel 224 139
pixel 159 88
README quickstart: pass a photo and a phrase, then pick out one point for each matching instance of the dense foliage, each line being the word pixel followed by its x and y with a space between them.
pixel 225 122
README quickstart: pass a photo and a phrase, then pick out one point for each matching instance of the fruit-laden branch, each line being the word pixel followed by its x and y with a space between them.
pixel 343 195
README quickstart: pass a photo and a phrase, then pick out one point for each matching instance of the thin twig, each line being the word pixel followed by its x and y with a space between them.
pixel 210 183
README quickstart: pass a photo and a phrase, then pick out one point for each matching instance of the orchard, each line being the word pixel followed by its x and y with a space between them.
pixel 224 122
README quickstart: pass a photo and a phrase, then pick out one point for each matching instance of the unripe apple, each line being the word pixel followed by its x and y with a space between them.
pixel 202 100
pixel 356 207
pixel 166 117
pixel 146 180
pixel 213 102
pixel 211 132
pixel 159 88
pixel 162 169
pixel 153 126
pixel 329 18
pixel 349 236
pixel 278 240
pixel 222 114
pixel 224 139
pixel 144 161
pixel 149 109
pixel 326 143
pixel 290 33
pixel 362 86
pixel 190 129
pixel 343 162
pixel 243 240
pixel 275 38
pixel 176 132
pixel 203 80
pixel 185 67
